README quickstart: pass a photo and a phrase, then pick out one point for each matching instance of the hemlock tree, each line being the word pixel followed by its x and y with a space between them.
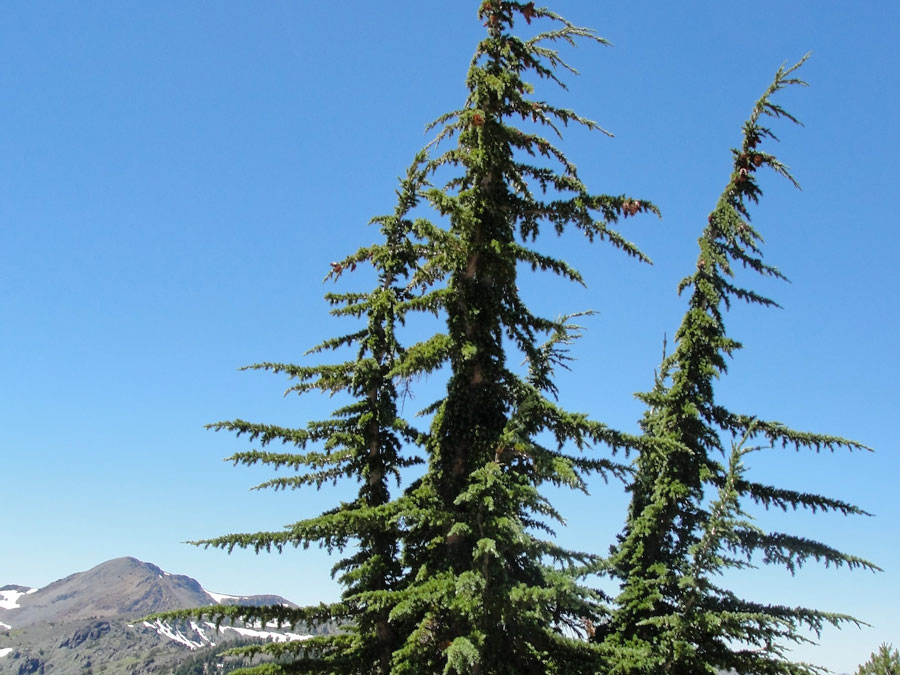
pixel 670 616
pixel 487 593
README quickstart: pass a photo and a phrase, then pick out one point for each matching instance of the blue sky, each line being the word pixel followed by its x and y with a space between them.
pixel 177 177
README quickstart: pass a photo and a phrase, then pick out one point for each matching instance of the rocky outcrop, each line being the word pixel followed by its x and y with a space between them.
pixel 92 631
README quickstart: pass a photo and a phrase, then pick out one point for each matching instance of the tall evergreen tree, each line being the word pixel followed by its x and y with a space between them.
pixel 670 616
pixel 487 593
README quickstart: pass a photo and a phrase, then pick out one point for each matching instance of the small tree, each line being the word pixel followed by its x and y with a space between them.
pixel 886 661
pixel 670 617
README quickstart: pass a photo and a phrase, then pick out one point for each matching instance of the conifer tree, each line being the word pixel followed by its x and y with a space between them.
pixel 487 594
pixel 671 617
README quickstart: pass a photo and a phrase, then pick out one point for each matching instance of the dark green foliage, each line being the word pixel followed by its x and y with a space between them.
pixel 670 616
pixel 886 661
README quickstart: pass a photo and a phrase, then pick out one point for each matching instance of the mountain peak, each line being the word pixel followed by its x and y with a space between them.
pixel 122 587
pixel 92 617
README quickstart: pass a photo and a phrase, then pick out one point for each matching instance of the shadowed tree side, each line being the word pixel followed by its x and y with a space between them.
pixel 670 617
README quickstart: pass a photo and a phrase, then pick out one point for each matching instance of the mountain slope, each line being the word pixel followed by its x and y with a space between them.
pixel 90 622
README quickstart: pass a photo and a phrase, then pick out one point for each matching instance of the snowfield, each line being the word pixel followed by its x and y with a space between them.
pixel 9 599
pixel 219 598
pixel 165 630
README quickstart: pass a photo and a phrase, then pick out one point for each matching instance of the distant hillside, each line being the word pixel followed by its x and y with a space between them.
pixel 89 622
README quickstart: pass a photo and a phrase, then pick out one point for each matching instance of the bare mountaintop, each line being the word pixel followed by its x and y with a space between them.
pixel 120 588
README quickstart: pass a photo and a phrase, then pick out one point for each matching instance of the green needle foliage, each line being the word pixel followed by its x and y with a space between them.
pixel 670 616
pixel 886 661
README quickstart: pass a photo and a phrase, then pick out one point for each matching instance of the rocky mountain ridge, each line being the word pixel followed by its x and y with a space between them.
pixel 92 622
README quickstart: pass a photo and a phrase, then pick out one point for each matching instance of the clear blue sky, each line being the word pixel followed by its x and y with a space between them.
pixel 175 178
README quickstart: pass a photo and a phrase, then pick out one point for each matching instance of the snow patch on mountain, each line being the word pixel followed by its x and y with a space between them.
pixel 219 598
pixel 164 629
pixel 263 634
pixel 167 631
pixel 202 635
pixel 5 651
pixel 9 598
pixel 5 626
